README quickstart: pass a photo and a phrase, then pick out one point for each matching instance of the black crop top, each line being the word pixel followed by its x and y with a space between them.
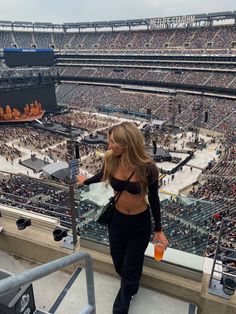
pixel 134 188
pixel 131 187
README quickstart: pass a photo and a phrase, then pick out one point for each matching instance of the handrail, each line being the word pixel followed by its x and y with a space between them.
pixel 224 284
pixel 16 281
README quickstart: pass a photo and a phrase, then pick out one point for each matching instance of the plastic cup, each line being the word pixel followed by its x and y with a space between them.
pixel 159 249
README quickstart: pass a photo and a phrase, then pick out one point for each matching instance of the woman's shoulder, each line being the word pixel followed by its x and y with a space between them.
pixel 148 166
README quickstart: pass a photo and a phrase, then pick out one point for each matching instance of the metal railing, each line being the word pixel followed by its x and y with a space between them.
pixel 223 276
pixel 16 281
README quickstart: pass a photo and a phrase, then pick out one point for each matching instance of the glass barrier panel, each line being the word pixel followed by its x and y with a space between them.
pixel 186 221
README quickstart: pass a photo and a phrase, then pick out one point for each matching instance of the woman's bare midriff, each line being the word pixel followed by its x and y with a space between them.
pixel 131 204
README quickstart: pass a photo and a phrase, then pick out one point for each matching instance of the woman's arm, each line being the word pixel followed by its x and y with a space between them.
pixel 154 203
pixel 94 179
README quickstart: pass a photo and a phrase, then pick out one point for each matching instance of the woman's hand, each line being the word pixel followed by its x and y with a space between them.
pixel 80 180
pixel 160 236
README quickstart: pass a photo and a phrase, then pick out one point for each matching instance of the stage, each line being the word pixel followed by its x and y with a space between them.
pixel 96 139
pixel 21 120
pixel 58 128
pixel 34 163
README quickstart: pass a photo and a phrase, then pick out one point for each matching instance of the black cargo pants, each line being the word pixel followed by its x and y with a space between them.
pixel 129 236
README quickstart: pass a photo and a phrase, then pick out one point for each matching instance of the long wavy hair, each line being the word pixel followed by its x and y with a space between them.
pixel 127 136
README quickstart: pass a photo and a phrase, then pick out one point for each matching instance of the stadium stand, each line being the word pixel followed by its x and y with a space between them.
pixel 98 54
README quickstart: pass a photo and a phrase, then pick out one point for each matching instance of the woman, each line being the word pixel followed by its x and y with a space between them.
pixel 130 227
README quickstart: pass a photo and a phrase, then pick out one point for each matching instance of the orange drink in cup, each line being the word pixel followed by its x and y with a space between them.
pixel 159 249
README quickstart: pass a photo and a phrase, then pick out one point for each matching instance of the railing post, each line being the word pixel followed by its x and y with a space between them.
pixel 17 281
pixel 90 281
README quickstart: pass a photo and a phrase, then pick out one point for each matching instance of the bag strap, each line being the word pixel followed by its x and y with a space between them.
pixel 124 186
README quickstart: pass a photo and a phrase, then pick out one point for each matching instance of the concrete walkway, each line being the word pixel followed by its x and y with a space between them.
pixel 46 290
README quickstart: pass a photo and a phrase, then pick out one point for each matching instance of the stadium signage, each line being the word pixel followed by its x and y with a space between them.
pixel 174 20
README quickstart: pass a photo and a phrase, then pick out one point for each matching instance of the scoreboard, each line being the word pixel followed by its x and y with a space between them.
pixel 17 57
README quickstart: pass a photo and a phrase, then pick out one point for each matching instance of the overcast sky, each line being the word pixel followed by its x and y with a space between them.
pixel 61 11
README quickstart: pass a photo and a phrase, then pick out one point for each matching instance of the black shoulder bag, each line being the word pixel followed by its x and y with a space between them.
pixel 106 213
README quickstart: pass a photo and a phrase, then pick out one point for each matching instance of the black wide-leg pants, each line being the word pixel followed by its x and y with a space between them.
pixel 129 236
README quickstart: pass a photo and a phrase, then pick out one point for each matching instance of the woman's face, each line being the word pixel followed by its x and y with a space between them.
pixel 116 149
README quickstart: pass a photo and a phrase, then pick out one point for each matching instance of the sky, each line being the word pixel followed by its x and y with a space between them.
pixel 62 11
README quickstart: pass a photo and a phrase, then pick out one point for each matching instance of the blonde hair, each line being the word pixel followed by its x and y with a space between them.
pixel 127 136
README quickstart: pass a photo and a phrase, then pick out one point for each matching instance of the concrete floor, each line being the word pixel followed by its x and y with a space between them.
pixel 46 290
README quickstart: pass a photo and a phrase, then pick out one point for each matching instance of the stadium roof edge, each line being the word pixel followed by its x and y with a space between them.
pixel 23 23
pixel 203 15
pixel 122 23
pixel 6 22
pixel 220 13
pixel 42 23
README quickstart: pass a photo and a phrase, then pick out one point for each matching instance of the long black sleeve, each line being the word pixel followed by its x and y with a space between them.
pixel 94 179
pixel 154 202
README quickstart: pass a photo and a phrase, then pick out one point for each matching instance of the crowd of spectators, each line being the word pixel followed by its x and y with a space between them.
pixel 170 74
pixel 187 225
pixel 88 121
pixel 41 197
pixel 195 40
pixel 93 162
pixel 181 233
pixel 27 137
pixel 10 152
pixel 219 187
pixel 220 181
pixel 39 140
pixel 220 111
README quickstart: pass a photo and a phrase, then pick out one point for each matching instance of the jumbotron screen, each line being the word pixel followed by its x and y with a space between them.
pixel 17 57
